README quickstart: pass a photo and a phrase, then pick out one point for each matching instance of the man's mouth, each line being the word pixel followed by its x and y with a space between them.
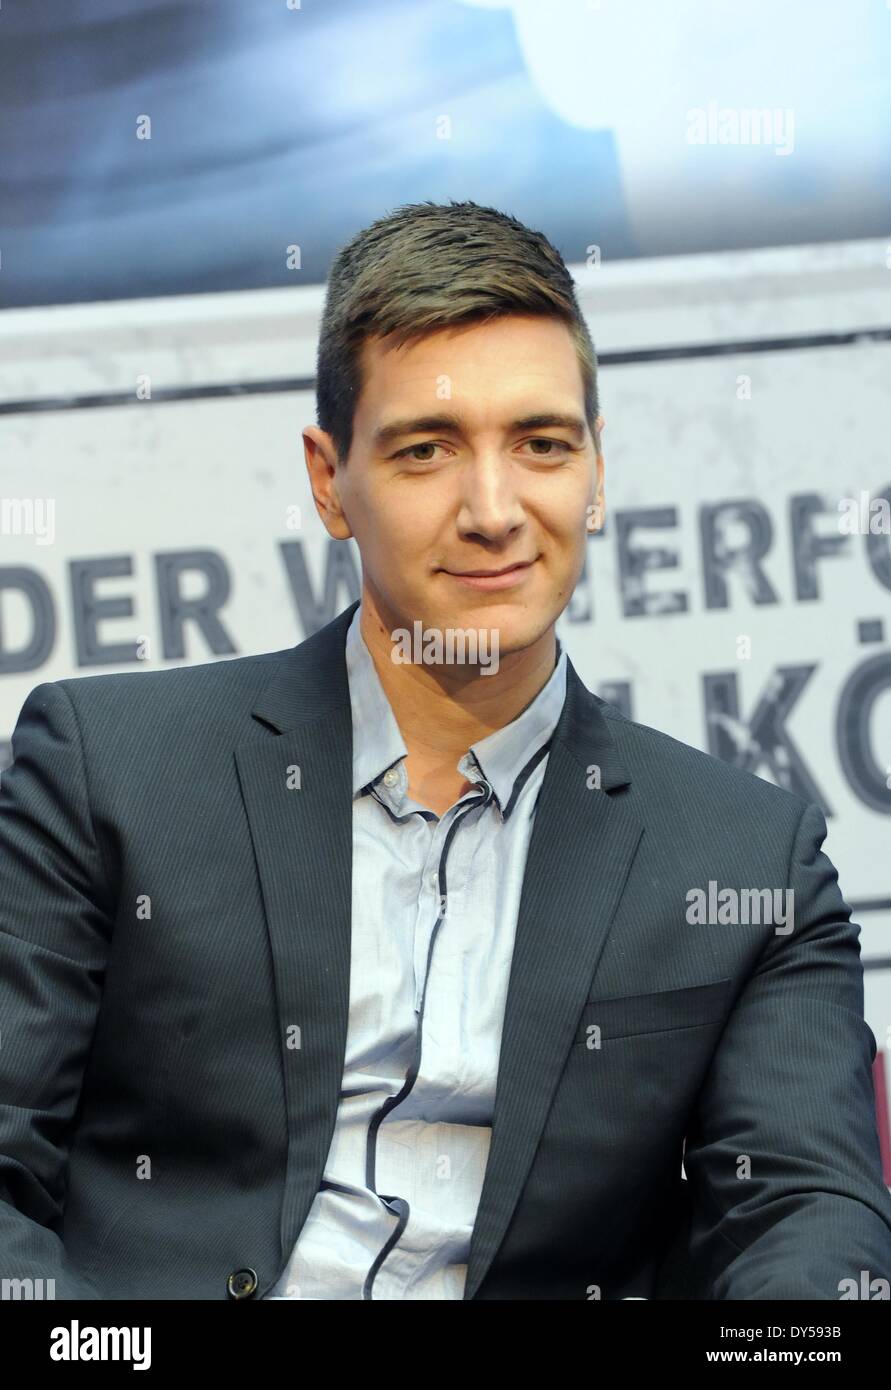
pixel 502 578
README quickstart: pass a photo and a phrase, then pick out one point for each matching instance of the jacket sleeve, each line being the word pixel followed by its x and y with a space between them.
pixel 54 941
pixel 782 1154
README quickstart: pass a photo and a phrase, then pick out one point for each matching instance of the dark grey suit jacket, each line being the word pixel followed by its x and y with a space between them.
pixel 169 908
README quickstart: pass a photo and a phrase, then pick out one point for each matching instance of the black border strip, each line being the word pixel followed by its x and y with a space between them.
pixel 284 385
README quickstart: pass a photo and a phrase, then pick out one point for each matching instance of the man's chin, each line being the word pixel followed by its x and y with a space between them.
pixel 516 623
pixel 512 627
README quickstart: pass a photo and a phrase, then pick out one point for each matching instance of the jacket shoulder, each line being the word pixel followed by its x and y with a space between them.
pixel 196 701
pixel 657 759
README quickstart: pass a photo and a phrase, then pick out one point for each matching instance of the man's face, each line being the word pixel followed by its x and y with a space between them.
pixel 480 486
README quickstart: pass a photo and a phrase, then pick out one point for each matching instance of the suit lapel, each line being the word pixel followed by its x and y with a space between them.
pixel 303 847
pixel 582 845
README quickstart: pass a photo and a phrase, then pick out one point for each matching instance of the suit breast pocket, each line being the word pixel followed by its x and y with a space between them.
pixel 665 1010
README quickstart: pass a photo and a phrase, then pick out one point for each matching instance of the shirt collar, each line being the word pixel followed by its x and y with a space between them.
pixel 500 756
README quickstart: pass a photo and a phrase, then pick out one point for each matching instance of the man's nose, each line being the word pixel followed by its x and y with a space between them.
pixel 490 506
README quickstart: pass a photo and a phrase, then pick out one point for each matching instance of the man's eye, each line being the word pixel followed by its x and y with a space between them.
pixel 410 452
pixel 557 444
pixel 553 448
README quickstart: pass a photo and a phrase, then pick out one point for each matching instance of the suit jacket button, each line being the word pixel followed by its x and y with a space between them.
pixel 242 1283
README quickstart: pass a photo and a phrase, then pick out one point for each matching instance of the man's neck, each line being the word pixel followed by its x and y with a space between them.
pixel 442 710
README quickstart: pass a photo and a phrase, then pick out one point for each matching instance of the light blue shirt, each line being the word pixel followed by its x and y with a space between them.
pixel 434 911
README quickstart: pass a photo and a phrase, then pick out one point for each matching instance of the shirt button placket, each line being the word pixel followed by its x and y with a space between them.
pixel 425 919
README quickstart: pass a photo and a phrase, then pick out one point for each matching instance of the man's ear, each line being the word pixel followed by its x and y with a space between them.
pixel 321 465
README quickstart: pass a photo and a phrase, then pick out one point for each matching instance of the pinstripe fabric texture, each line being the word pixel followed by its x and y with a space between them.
pixel 175 923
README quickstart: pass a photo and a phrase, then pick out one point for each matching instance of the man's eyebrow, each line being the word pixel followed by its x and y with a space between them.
pixel 548 421
pixel 420 424
pixel 431 424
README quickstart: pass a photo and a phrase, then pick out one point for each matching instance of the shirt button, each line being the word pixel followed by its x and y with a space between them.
pixel 391 777
pixel 434 880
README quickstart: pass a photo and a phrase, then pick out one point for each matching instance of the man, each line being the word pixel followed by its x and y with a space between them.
pixel 367 969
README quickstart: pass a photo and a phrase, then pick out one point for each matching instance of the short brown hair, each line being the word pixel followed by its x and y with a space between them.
pixel 429 266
